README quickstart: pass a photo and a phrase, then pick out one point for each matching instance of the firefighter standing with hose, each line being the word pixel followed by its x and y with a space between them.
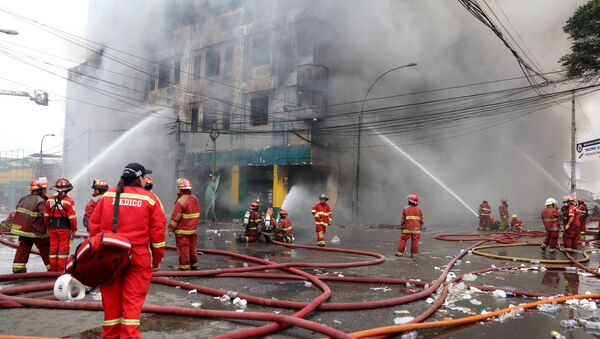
pixel 184 222
pixel 412 221
pixel 571 233
pixel 485 212
pixel 28 224
pixel 100 187
pixel 551 220
pixel 136 214
pixel 503 209
pixel 322 213
pixel 61 221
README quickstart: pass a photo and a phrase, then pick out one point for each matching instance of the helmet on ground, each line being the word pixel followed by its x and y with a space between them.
pixel 100 184
pixel 63 185
pixel 184 184
pixel 581 201
pixel 323 196
pixel 514 216
pixel 550 201
pixel 148 183
pixel 283 213
pixel 504 200
pixel 254 205
pixel 413 198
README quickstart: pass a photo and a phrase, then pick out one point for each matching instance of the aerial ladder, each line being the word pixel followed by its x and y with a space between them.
pixel 39 97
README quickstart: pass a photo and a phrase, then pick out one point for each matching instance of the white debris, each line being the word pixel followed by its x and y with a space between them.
pixel 543 269
pixel 239 310
pixel 493 266
pixel 403 320
pixel 225 299
pixel 474 289
pixel 337 322
pixel 401 312
pixel 430 300
pixel 475 302
pixel 276 312
pixel 410 335
pixel 469 277
pixel 335 240
pixel 549 308
pixel 384 289
pixel 467 297
pixel 436 268
pixel 307 284
pixel 467 262
pixel 196 305
pixel 499 294
pixel 194 291
pixel 340 275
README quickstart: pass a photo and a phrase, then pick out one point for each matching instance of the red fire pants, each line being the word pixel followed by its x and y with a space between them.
pixel 484 222
pixel 59 248
pixel 186 250
pixel 320 229
pixel 414 242
pixel 551 239
pixel 123 296
pixel 24 249
pixel 571 238
pixel 250 234
pixel 582 228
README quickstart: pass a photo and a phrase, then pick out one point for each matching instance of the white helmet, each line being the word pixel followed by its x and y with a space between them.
pixel 550 201
pixel 67 288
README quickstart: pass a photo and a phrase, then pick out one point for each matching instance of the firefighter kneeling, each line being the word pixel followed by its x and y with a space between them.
pixel 252 222
pixel 412 220
pixel 551 220
pixel 516 224
pixel 184 221
pixel 284 231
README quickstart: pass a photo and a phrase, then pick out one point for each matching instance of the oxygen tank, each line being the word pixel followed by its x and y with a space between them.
pixel 247 218
pixel 267 226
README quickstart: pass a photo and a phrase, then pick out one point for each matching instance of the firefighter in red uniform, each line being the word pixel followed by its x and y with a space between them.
pixel 142 221
pixel 148 183
pixel 252 222
pixel 28 224
pixel 284 232
pixel 571 232
pixel 59 217
pixel 184 222
pixel 99 186
pixel 551 220
pixel 412 220
pixel 503 209
pixel 583 215
pixel 322 213
pixel 516 224
pixel 564 210
pixel 485 212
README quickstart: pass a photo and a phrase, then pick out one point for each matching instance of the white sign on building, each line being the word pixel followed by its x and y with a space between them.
pixel 588 150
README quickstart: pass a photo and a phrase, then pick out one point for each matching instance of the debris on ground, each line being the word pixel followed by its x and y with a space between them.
pixel 307 284
pixel 403 320
pixel 549 308
pixel 335 239
pixel 499 294
pixel 475 302
pixel 196 304
pixel 194 291
pixel 469 277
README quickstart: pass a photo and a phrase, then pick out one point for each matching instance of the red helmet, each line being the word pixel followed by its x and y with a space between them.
pixel 38 184
pixel 581 201
pixel 270 211
pixel 413 198
pixel 100 184
pixel 485 200
pixel 63 185
pixel 323 196
pixel 571 197
pixel 184 184
pixel 565 198
pixel 254 205
pixel 283 213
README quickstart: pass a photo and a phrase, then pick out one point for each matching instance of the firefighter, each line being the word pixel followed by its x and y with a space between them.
pixel 28 224
pixel 269 225
pixel 551 220
pixel 184 222
pixel 252 221
pixel 142 221
pixel 583 214
pixel 412 221
pixel 564 210
pixel 148 183
pixel 285 232
pixel 503 209
pixel 322 213
pixel 60 219
pixel 516 224
pixel 100 187
pixel 571 232
pixel 485 212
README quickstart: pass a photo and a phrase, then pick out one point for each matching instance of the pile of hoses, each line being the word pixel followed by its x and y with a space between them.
pixel 292 271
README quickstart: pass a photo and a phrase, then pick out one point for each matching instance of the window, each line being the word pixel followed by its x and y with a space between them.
pixel 213 61
pixel 226 120
pixel 261 54
pixel 228 66
pixel 207 117
pixel 259 107
pixel 164 74
pixel 197 65
pixel 303 40
pixel 194 126
pixel 177 71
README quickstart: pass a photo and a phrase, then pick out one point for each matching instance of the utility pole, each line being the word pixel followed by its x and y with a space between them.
pixel 41 152
pixel 573 130
pixel 356 200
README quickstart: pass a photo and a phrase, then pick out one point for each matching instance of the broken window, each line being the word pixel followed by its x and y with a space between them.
pixel 164 73
pixel 261 50
pixel 177 71
pixel 259 108
pixel 213 61
pixel 228 66
pixel 207 117
pixel 194 118
pixel 197 65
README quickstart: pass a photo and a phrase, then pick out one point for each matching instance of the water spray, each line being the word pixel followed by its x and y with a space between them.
pixel 538 166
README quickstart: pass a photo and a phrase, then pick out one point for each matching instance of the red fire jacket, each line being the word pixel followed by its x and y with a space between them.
pixel 186 215
pixel 516 223
pixel 28 220
pixel 89 209
pixel 503 209
pixel 573 212
pixel 551 219
pixel 285 225
pixel 485 210
pixel 412 219
pixel 141 219
pixel 59 213
pixel 322 213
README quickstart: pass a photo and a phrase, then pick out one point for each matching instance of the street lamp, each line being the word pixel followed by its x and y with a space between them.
pixel 9 31
pixel 356 200
pixel 41 151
